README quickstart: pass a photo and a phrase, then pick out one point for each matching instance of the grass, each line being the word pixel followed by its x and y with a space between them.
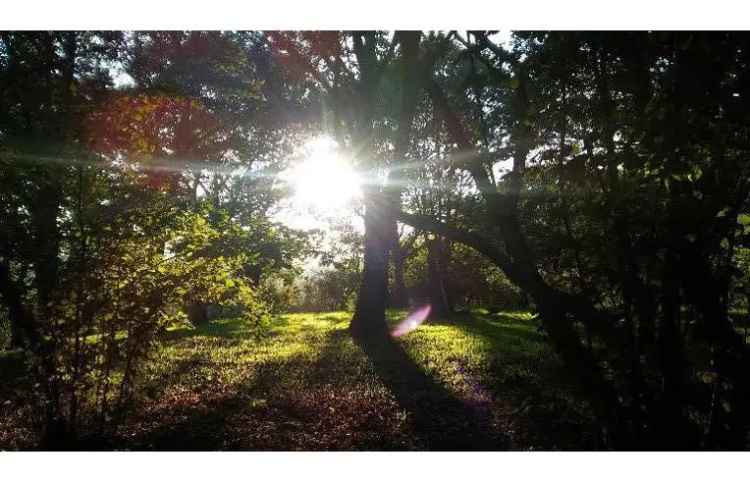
pixel 475 381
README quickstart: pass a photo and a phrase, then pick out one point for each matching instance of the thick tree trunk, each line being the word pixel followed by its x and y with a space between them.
pixel 46 205
pixel 558 309
pixel 381 206
pixel 369 314
pixel 669 422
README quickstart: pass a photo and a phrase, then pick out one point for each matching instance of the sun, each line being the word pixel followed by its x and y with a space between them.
pixel 324 179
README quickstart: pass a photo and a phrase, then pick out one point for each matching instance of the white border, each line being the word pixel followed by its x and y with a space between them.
pixel 372 467
pixel 381 14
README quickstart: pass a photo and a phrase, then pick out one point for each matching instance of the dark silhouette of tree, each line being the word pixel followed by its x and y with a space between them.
pixel 583 116
pixel 371 84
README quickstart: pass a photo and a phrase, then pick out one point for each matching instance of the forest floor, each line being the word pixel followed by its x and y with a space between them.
pixel 476 381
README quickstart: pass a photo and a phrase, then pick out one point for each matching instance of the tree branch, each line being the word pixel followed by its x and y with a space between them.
pixel 471 239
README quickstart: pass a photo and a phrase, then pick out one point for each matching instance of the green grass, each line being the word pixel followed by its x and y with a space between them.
pixel 474 381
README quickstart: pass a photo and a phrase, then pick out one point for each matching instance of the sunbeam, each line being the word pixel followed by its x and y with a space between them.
pixel 324 180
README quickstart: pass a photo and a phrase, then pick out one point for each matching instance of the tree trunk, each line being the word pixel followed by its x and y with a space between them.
pixel 558 310
pixel 670 424
pixel 381 206
pixel 440 306
pixel 399 295
pixel 369 314
pixel 16 337
pixel 731 356
pixel 44 214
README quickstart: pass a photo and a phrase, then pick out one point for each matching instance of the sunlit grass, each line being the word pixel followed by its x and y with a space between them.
pixel 314 388
pixel 505 348
pixel 305 384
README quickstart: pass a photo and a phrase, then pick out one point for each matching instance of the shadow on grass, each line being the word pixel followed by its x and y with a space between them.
pixel 527 372
pixel 319 401
pixel 499 330
pixel 227 329
pixel 202 420
pixel 329 318
pixel 327 395
pixel 310 400
pixel 441 420
pixel 281 404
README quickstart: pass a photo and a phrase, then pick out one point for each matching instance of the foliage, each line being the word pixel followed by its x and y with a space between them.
pixel 133 258
pixel 123 207
pixel 621 231
pixel 326 290
pixel 334 272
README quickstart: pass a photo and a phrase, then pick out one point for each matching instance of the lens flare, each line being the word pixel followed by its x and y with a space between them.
pixel 412 321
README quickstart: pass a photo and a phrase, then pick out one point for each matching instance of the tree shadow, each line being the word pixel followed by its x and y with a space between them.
pixel 284 403
pixel 204 421
pixel 344 395
pixel 442 421
pixel 320 400
pixel 263 411
pixel 496 326
pixel 226 329
pixel 548 407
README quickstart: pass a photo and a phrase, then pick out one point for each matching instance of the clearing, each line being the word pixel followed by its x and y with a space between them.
pixel 479 381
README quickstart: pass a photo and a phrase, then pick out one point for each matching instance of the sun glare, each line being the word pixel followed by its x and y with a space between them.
pixel 324 179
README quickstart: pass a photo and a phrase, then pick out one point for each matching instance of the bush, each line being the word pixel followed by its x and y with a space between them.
pixel 131 268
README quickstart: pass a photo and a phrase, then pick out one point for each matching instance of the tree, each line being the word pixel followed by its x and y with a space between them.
pixel 380 225
pixel 371 83
pixel 45 76
pixel 107 230
pixel 581 116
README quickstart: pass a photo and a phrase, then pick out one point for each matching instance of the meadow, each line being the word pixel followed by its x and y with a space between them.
pixel 475 381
